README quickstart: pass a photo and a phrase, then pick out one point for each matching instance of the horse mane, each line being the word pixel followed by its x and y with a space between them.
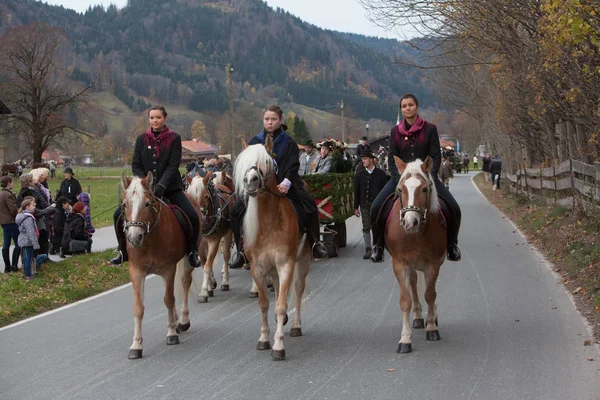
pixel 253 156
pixel 196 187
pixel 414 168
pixel 135 194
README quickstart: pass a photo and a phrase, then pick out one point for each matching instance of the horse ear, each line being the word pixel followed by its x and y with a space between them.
pixel 149 178
pixel 269 143
pixel 244 144
pixel 188 179
pixel 427 164
pixel 125 181
pixel 400 164
pixel 206 179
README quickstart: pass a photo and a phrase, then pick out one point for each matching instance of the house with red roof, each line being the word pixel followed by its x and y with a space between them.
pixel 194 149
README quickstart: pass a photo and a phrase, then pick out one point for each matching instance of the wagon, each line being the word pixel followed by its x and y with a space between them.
pixel 334 195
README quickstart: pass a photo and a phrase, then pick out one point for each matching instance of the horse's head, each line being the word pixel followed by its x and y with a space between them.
pixel 253 169
pixel 416 191
pixel 138 208
pixel 199 189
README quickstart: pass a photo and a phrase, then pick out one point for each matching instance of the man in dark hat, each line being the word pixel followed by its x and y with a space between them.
pixel 368 183
pixel 361 149
pixel 323 165
pixel 306 159
pixel 69 187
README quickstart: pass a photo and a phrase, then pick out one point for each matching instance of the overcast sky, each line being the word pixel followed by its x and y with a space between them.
pixel 338 15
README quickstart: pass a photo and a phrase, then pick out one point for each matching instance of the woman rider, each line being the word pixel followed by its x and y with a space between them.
pixel 289 184
pixel 411 139
pixel 159 151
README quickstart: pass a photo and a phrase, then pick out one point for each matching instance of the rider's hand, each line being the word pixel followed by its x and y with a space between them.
pixel 283 189
pixel 356 212
pixel 159 190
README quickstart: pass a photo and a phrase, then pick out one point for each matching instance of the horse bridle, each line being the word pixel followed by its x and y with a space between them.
pixel 422 211
pixel 148 226
pixel 214 197
pixel 264 179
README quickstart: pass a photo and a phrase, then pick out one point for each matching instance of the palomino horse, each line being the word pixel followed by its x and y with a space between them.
pixel 273 242
pixel 416 240
pixel 215 204
pixel 155 244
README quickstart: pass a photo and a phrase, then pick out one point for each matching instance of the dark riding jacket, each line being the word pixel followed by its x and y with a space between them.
pixel 164 164
pixel 287 157
pixel 409 148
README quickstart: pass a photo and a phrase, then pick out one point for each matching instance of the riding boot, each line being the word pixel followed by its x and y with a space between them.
pixel 378 243
pixel 5 257
pixel 15 259
pixel 319 250
pixel 453 250
pixel 240 258
pixel 121 256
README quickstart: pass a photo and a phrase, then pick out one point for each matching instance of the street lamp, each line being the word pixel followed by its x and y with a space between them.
pixel 367 126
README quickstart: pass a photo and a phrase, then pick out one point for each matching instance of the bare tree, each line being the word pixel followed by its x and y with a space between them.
pixel 35 87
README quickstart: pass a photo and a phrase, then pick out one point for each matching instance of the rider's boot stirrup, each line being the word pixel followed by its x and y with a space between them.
pixel 319 251
pixel 194 259
pixel 119 259
pixel 239 261
pixel 453 253
pixel 377 255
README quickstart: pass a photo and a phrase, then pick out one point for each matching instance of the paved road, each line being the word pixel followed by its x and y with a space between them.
pixel 508 331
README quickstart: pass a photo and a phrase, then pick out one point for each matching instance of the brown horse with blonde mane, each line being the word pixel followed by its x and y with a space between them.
pixel 155 244
pixel 274 245
pixel 416 239
pixel 214 199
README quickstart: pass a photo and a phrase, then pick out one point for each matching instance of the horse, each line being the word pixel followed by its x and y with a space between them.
pixel 416 240
pixel 155 244
pixel 273 242
pixel 215 200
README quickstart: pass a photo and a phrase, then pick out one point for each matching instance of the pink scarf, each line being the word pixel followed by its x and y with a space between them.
pixel 163 140
pixel 415 129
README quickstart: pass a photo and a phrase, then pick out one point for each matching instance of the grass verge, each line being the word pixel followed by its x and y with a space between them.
pixel 58 284
pixel 566 237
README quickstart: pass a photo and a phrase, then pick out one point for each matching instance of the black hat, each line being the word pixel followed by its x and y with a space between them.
pixel 364 138
pixel 368 153
pixel 327 144
pixel 69 170
pixel 309 143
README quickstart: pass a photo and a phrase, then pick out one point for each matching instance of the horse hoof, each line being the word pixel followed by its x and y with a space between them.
pixel 171 340
pixel 214 285
pixel 404 348
pixel 183 328
pixel 134 354
pixel 253 295
pixel 202 299
pixel 263 346
pixel 225 288
pixel 295 332
pixel 418 323
pixel 278 355
pixel 211 293
pixel 432 336
pixel 285 320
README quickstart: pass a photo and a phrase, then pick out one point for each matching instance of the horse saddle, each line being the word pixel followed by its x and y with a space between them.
pixel 300 211
pixel 182 218
pixel 445 211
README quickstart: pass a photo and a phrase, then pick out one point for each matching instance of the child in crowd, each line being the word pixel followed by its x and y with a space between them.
pixel 28 234
pixel 85 198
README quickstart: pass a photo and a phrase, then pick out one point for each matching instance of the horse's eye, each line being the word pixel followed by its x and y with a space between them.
pixel 425 190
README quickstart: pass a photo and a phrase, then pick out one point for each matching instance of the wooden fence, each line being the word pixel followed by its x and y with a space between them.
pixel 568 184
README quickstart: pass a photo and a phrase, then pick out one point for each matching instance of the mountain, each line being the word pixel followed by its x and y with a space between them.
pixel 176 52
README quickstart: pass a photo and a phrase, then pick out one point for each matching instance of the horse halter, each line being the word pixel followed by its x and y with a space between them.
pixel 147 225
pixel 262 186
pixel 422 211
